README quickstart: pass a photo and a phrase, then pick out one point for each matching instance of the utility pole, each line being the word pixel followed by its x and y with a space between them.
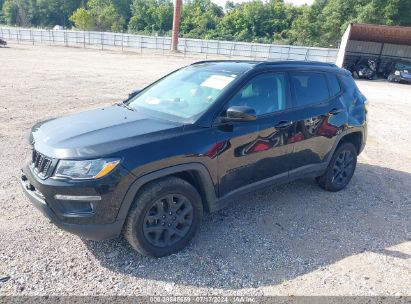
pixel 176 22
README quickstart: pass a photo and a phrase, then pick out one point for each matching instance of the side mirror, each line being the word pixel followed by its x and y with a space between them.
pixel 239 113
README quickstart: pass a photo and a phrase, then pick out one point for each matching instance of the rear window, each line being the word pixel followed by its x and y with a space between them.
pixel 334 85
pixel 309 87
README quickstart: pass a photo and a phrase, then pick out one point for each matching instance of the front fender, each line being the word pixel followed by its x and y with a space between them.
pixel 208 187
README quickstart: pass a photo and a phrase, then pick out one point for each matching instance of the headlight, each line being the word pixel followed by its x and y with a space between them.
pixel 397 73
pixel 85 169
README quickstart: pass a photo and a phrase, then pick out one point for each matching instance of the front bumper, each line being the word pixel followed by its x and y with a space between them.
pixel 405 79
pixel 94 220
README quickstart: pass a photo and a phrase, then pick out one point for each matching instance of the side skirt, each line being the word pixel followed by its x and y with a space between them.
pixel 312 170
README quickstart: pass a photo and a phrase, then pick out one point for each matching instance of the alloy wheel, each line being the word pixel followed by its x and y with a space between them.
pixel 343 168
pixel 168 220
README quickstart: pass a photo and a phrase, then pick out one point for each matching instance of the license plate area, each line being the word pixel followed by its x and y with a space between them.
pixel 29 187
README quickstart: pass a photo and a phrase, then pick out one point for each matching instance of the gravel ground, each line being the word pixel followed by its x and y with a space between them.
pixel 295 239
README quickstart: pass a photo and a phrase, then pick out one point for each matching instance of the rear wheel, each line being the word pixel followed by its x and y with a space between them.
pixel 164 217
pixel 341 168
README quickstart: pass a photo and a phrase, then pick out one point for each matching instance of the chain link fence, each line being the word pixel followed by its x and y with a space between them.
pixel 140 43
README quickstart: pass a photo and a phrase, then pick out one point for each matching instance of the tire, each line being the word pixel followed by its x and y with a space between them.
pixel 391 78
pixel 164 217
pixel 341 168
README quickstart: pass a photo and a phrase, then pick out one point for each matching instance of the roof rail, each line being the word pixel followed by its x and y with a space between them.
pixel 227 60
pixel 280 62
pixel 298 62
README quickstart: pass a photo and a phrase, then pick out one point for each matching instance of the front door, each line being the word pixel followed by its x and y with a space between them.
pixel 256 151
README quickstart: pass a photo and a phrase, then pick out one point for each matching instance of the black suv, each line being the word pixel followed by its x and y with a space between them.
pixel 191 142
pixel 398 71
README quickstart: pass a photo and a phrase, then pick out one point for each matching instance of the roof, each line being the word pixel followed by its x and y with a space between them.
pixel 381 33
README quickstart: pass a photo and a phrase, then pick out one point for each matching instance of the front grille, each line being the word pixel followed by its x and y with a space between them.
pixel 41 164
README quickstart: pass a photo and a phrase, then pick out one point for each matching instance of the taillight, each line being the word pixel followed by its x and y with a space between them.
pixel 366 105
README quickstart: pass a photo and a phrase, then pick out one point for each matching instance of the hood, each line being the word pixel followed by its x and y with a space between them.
pixel 97 133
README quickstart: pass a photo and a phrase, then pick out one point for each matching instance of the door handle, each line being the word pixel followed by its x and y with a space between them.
pixel 283 124
pixel 334 111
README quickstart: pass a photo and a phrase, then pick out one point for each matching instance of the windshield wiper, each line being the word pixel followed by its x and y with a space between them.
pixel 122 104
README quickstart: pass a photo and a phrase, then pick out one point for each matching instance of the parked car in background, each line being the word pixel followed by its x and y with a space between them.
pixel 191 142
pixel 364 68
pixel 3 42
pixel 399 71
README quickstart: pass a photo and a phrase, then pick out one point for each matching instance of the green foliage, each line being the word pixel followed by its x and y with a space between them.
pixel 18 12
pixel 82 19
pixel 199 18
pixel 53 12
pixel 270 21
pixel 305 29
pixel 44 13
pixel 324 22
pixel 105 15
pixel 151 16
pixel 258 21
pixel 1 11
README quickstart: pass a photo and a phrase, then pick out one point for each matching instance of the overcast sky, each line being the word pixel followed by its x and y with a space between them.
pixel 296 2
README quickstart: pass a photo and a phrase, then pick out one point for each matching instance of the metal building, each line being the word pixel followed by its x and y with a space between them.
pixel 383 43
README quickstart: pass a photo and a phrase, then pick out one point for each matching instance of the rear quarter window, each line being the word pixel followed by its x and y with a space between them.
pixel 309 88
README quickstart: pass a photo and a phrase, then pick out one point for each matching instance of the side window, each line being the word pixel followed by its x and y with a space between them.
pixel 334 85
pixel 309 87
pixel 265 93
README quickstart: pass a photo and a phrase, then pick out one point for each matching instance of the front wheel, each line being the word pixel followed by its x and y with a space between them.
pixel 164 217
pixel 341 168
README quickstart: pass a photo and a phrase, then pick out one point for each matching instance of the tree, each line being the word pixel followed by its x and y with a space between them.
pixel 199 18
pixel 404 12
pixel 122 8
pixel 389 12
pixel 229 6
pixel 306 29
pixel 55 12
pixel 105 15
pixel 18 12
pixel 256 21
pixel 82 19
pixel 43 13
pixel 1 11
pixel 151 15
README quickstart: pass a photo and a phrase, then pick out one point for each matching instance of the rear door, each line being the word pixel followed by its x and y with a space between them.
pixel 317 110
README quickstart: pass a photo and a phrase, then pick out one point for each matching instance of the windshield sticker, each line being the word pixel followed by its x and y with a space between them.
pixel 152 101
pixel 218 82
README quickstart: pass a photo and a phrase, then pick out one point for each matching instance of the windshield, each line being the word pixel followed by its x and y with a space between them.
pixel 185 93
pixel 403 66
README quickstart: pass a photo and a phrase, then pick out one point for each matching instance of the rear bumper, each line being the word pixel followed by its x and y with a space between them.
pixel 364 138
pixel 88 224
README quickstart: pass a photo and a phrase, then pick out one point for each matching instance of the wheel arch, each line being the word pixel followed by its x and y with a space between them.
pixel 194 173
pixel 355 137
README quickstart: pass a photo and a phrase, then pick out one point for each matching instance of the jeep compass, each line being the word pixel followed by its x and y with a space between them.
pixel 194 140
